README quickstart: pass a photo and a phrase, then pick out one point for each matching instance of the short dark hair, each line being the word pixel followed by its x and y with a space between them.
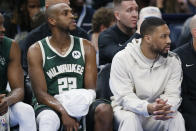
pixel 102 16
pixel 118 2
pixel 150 24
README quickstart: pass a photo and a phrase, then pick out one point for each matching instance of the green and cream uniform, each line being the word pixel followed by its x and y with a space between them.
pixel 5 47
pixel 62 72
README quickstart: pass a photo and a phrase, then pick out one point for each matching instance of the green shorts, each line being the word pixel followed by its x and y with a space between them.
pixel 89 117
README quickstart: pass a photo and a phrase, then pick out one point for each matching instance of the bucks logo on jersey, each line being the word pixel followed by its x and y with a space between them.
pixel 63 72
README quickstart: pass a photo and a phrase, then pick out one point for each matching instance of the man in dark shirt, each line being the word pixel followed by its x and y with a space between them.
pixel 113 39
pixel 82 13
pixel 41 32
pixel 187 54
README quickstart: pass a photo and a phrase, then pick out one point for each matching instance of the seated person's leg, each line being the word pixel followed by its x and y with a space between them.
pixel 23 115
pixel 173 124
pixel 126 120
pixel 177 123
pixel 48 120
pixel 100 116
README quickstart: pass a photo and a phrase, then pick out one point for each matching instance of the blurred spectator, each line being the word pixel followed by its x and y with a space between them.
pixel 185 35
pixel 192 6
pixel 89 2
pixel 145 12
pixel 102 19
pixel 171 6
pixel 82 13
pixel 100 3
pixel 143 3
pixel 21 19
pixel 187 54
pixel 6 6
pixel 113 39
pixel 42 3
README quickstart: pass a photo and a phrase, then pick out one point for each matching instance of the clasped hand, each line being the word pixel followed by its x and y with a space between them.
pixel 160 109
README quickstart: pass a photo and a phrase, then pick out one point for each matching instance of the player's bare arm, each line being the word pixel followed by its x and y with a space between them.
pixel 15 78
pixel 90 76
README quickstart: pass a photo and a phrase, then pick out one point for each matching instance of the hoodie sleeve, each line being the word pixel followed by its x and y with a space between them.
pixel 122 86
pixel 173 89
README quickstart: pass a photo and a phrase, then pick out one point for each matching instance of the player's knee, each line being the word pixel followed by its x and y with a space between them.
pixel 126 117
pixel 178 118
pixel 104 113
pixel 48 119
pixel 24 111
pixel 28 110
pixel 176 123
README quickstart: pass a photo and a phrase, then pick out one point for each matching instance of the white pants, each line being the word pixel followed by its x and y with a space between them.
pixel 48 120
pixel 23 115
pixel 129 121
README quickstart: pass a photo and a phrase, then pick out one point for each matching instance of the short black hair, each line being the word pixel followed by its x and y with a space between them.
pixel 149 24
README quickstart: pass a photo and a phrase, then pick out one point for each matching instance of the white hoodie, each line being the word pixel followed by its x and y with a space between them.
pixel 137 81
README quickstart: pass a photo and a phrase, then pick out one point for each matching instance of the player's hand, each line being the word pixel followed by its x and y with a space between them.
pixel 163 113
pixel 69 123
pixel 160 110
pixel 1 97
pixel 3 105
pixel 153 107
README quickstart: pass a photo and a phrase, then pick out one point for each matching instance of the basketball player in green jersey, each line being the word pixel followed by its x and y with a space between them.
pixel 63 62
pixel 11 71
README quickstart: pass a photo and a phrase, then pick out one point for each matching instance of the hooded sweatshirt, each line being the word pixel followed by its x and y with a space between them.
pixel 137 81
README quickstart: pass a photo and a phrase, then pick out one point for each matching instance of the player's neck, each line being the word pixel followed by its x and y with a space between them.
pixel 60 44
pixel 60 41
pixel 147 52
pixel 60 38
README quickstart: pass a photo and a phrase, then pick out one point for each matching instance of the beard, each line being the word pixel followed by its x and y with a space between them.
pixel 163 54
pixel 67 29
pixel 160 52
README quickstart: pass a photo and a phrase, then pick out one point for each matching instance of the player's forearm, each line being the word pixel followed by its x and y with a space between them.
pixel 50 101
pixel 15 96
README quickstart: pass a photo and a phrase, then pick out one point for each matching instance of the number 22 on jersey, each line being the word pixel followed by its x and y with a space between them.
pixel 67 83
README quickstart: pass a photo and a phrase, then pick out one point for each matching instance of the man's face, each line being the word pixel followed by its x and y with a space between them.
pixel 33 7
pixel 2 28
pixel 65 19
pixel 128 14
pixel 160 40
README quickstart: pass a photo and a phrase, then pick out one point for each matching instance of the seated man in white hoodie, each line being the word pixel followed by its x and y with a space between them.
pixel 146 82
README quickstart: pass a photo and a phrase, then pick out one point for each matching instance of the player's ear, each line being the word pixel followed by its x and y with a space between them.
pixel 117 14
pixel 148 38
pixel 51 21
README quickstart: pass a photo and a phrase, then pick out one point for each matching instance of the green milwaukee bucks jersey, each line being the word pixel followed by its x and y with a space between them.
pixel 5 46
pixel 63 72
